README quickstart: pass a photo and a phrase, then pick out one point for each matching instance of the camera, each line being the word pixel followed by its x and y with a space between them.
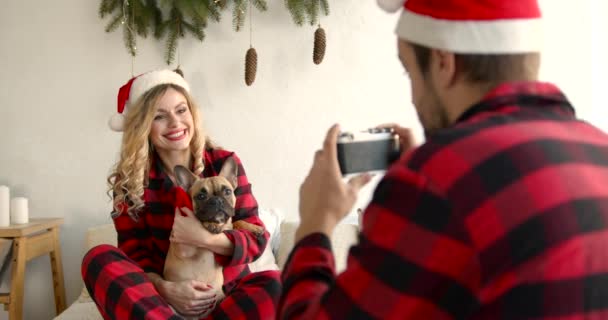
pixel 369 150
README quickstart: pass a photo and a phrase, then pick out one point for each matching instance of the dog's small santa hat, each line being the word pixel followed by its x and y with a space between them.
pixel 474 27
pixel 136 87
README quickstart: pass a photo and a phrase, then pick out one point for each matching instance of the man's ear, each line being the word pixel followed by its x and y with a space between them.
pixel 185 178
pixel 230 171
pixel 443 65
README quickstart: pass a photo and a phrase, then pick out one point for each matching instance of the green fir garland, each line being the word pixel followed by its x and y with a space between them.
pixel 307 10
pixel 174 19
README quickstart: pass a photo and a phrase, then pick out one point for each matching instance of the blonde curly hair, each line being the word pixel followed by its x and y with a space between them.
pixel 129 177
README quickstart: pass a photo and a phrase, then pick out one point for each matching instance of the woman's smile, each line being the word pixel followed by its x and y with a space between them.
pixel 176 135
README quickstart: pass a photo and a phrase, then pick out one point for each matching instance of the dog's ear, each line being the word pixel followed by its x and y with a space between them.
pixel 230 171
pixel 185 178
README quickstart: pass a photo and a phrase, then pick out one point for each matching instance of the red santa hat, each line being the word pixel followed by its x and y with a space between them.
pixel 475 27
pixel 137 87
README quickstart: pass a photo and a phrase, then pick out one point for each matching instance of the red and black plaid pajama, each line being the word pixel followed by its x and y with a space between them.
pixel 116 279
pixel 502 216
pixel 122 290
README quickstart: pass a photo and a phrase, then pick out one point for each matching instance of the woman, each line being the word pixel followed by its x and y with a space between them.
pixel 162 129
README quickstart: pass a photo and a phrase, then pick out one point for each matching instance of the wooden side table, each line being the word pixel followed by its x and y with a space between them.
pixel 31 240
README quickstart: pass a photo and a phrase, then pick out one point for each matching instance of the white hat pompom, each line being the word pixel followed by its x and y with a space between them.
pixel 117 122
pixel 390 5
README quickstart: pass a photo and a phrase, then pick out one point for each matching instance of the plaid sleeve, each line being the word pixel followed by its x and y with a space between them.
pixel 131 240
pixel 247 246
pixel 412 261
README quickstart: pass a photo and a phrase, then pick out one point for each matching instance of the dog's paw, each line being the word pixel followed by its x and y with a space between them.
pixel 257 230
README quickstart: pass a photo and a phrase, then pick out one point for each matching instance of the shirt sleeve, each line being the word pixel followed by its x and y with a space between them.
pixel 132 235
pixel 247 246
pixel 412 261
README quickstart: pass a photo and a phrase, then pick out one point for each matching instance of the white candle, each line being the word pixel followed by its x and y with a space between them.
pixel 4 206
pixel 19 211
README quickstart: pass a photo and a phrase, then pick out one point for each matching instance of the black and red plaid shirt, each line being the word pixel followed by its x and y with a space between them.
pixel 146 240
pixel 502 216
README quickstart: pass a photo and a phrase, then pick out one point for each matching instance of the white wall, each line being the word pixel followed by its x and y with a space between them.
pixel 599 51
pixel 61 72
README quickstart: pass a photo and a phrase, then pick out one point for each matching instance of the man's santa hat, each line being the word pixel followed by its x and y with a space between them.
pixel 474 27
pixel 137 87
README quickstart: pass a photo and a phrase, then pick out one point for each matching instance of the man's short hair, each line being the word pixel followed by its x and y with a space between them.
pixel 484 68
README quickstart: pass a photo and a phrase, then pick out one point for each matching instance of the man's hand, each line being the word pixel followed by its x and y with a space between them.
pixel 189 298
pixel 406 138
pixel 187 229
pixel 324 197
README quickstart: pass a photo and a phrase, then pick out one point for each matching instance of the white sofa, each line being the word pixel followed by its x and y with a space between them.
pixel 273 258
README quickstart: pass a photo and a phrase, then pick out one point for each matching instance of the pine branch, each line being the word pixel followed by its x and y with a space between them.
pixel 261 5
pixel 141 17
pixel 199 13
pixel 129 39
pixel 182 5
pixel 114 23
pixel 307 10
pixel 213 10
pixel 312 9
pixel 156 18
pixel 220 4
pixel 171 46
pixel 325 7
pixel 296 8
pixel 107 7
pixel 175 28
pixel 238 14
pixel 196 30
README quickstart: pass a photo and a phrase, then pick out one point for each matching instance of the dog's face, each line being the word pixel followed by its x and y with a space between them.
pixel 213 198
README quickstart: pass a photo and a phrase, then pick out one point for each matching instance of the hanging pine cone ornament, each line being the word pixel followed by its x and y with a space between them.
pixel 251 66
pixel 319 47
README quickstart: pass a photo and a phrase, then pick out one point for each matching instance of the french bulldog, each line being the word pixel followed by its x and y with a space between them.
pixel 213 203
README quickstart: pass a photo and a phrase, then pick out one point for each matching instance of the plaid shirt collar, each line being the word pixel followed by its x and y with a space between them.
pixel 523 95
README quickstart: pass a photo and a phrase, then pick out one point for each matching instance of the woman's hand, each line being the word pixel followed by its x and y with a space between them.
pixel 189 298
pixel 188 229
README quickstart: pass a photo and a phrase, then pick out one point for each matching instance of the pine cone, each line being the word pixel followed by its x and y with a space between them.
pixel 319 47
pixel 251 66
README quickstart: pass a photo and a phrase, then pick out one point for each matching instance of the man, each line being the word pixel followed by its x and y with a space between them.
pixel 501 214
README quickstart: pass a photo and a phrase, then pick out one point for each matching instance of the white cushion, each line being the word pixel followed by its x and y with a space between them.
pixel 272 219
pixel 80 311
